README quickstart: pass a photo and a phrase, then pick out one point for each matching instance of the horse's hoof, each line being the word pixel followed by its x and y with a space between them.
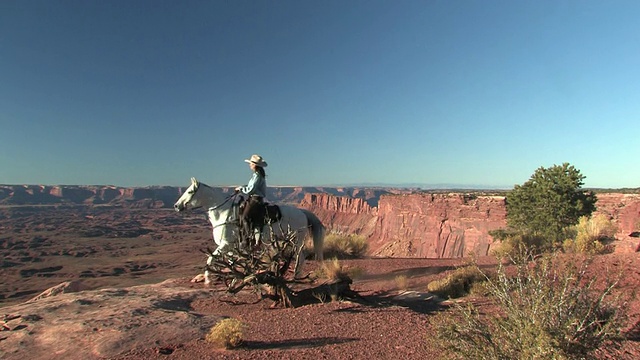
pixel 198 278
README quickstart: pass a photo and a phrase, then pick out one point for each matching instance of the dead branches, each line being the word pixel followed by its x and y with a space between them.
pixel 264 268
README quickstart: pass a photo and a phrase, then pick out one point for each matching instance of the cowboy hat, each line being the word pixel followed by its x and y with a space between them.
pixel 257 160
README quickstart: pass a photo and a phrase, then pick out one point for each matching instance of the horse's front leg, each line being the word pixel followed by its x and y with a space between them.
pixel 207 273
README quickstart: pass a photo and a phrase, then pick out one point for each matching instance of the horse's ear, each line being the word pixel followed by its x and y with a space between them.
pixel 193 180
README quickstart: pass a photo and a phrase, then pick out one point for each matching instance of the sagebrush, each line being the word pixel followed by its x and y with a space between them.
pixel 548 309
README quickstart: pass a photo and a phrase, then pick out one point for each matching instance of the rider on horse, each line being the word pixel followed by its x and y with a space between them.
pixel 254 211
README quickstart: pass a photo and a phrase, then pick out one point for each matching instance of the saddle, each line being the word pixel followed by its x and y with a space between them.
pixel 272 213
pixel 263 213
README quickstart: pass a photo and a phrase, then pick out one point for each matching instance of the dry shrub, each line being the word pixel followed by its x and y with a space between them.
pixel 591 234
pixel 356 272
pixel 333 270
pixel 458 283
pixel 513 244
pixel 227 333
pixel 547 310
pixel 327 270
pixel 402 282
pixel 345 246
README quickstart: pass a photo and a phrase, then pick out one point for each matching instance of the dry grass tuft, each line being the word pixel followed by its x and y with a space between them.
pixel 345 246
pixel 458 283
pixel 333 270
pixel 591 235
pixel 227 333
pixel 402 282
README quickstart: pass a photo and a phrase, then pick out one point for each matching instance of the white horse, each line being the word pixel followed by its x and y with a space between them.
pixel 223 215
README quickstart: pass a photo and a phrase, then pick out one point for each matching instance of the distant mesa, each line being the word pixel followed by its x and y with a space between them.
pixel 155 196
pixel 398 222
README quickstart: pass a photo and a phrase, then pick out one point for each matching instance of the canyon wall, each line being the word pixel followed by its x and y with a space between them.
pixel 343 215
pixel 439 225
pixel 624 211
pixel 416 224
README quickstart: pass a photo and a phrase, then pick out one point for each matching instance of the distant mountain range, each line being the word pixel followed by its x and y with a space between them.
pixel 422 186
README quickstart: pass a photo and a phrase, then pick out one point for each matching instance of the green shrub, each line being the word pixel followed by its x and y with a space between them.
pixel 345 246
pixel 458 283
pixel 549 203
pixel 590 235
pixel 227 333
pixel 547 310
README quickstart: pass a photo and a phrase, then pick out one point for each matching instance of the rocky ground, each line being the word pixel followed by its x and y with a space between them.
pixel 127 295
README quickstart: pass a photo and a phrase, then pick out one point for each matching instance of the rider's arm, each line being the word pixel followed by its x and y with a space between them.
pixel 251 186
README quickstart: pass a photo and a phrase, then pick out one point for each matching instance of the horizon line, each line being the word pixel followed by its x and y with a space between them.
pixel 415 186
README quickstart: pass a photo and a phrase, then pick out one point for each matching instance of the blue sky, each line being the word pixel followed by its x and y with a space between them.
pixel 136 93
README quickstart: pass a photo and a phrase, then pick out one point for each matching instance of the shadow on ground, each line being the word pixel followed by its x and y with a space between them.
pixel 296 343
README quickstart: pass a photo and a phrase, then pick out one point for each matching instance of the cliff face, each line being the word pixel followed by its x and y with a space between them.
pixel 436 225
pixel 624 211
pixel 296 195
pixel 415 225
pixel 447 225
pixel 343 214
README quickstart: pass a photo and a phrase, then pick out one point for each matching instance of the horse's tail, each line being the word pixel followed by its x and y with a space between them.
pixel 317 232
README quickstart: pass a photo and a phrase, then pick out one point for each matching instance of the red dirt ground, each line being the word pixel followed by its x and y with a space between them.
pixel 43 247
pixel 383 327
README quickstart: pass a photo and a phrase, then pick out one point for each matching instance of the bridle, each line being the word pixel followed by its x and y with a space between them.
pixel 224 202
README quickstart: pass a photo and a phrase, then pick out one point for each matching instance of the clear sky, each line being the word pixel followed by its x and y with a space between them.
pixel 136 93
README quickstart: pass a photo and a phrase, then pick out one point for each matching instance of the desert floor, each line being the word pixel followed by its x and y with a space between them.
pixel 105 247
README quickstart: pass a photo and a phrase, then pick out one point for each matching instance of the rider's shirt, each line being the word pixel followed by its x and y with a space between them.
pixel 257 186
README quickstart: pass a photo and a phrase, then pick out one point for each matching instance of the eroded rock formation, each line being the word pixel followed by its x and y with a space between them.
pixel 417 224
pixel 341 214
pixel 442 225
pixel 624 211
pixel 437 225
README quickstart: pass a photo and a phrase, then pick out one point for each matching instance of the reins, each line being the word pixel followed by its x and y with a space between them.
pixel 226 221
pixel 224 202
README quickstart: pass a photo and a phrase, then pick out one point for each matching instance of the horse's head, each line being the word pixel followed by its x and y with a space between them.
pixel 189 197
